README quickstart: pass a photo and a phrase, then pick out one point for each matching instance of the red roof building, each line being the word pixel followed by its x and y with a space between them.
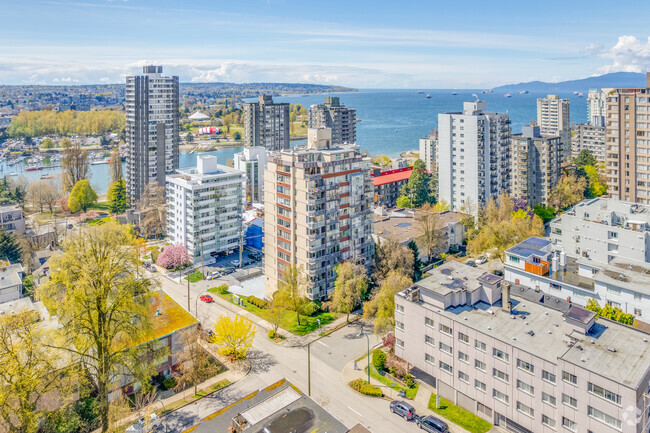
pixel 388 184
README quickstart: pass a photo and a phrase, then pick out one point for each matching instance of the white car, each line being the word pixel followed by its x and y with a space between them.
pixel 213 276
pixel 139 427
pixel 235 263
pixel 481 260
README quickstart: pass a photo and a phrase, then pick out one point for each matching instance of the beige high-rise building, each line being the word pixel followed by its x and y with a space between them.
pixel 536 166
pixel 553 119
pixel 317 211
pixel 341 119
pixel 627 137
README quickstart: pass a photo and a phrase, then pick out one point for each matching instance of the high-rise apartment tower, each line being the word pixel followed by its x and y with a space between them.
pixel 336 116
pixel 266 123
pixel 553 119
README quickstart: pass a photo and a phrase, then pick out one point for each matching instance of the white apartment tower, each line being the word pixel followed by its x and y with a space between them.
pixel 553 119
pixel 317 211
pixel 266 123
pixel 473 156
pixel 252 161
pixel 336 116
pixel 428 150
pixel 204 207
pixel 152 129
pixel 596 105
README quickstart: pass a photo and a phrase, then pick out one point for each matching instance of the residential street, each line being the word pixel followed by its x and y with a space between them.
pixel 272 362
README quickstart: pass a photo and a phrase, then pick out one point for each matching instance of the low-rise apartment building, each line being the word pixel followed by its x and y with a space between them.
pixel 589 137
pixel 522 359
pixel 12 219
pixel 317 211
pixel 388 185
pixel 204 207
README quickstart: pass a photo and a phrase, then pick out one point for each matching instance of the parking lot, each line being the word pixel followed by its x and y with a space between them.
pixel 231 261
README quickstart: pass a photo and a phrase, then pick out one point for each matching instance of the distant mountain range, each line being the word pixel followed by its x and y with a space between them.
pixel 615 79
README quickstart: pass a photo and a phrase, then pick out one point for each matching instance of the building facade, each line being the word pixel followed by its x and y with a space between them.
pixel 428 146
pixel 627 137
pixel 388 185
pixel 596 106
pixel 473 156
pixel 535 165
pixel 553 119
pixel 317 211
pixel 12 219
pixel 266 123
pixel 521 359
pixel 340 119
pixel 204 208
pixel 252 161
pixel 590 137
pixel 152 129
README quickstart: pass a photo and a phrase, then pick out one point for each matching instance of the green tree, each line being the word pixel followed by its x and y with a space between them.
pixel 9 247
pixel 417 264
pixel 418 186
pixel 47 143
pixel 82 196
pixel 102 304
pixel 350 287
pixel 189 137
pixel 609 312
pixel 585 157
pixel 117 197
pixel 381 307
pixel 115 166
pixel 597 182
pixel 569 191
pixel 291 290
pixel 546 213
pixel 403 201
pixel 237 136
pixel 391 256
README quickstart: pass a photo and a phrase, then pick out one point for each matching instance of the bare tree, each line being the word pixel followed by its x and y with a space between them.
pixel 196 364
pixel 433 236
pixel 115 167
pixel 153 210
pixel 43 194
pixel 74 165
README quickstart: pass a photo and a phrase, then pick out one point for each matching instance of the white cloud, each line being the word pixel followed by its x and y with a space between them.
pixel 629 54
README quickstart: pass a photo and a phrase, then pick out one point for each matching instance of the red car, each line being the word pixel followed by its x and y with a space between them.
pixel 206 298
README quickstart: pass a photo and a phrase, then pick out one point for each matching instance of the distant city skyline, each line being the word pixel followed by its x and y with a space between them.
pixel 363 44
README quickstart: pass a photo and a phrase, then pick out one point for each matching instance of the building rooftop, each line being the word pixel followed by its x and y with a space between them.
pixel 392 176
pixel 622 273
pixel 279 408
pixel 451 277
pixel 9 208
pixel 199 117
pixel 612 212
pixel 11 275
pixel 167 315
pixel 403 226
pixel 539 324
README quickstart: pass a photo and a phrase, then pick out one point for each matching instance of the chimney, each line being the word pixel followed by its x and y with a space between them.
pixel 505 297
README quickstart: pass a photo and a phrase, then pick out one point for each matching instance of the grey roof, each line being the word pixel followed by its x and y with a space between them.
pixel 622 273
pixel 457 276
pixel 11 275
pixel 529 247
pixel 278 408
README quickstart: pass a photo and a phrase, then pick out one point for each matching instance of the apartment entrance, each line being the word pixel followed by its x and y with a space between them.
pixel 509 425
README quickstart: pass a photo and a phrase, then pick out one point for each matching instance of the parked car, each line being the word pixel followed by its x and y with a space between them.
pixel 206 298
pixel 432 424
pixel 139 427
pixel 402 409
pixel 234 262
pixel 498 272
pixel 227 271
pixel 213 276
pixel 470 263
pixel 481 260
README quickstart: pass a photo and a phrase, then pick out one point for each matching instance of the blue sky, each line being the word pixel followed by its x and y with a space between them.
pixel 359 43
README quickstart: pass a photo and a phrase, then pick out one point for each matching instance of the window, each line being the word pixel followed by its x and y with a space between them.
pixel 463 376
pixel 429 340
pixel 548 377
pixel 514 259
pixel 604 418
pixel 637 312
pixel 446 367
pixel 500 354
pixel 548 399
pixel 446 348
pixel 399 325
pixel 463 337
pixel 463 357
pixel 569 401
pixel 428 322
pixel 399 343
pixel 569 378
pixel 479 385
pixel 498 395
pixel 603 393
pixel 550 422
pixel 526 366
pixel 445 329
pixel 428 358
pixel 480 346
pixel 525 409
pixel 571 425
pixel 523 386
pixel 500 375
pixel 479 365
pixel 399 308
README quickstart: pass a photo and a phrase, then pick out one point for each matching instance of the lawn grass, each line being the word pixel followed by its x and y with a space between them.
pixel 194 277
pixel 288 320
pixel 410 392
pixel 99 221
pixel 460 416
pixel 213 388
pixel 101 206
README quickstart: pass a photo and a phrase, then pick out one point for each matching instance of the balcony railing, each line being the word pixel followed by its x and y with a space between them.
pixel 538 269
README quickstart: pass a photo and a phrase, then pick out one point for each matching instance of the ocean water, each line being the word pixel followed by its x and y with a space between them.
pixel 391 122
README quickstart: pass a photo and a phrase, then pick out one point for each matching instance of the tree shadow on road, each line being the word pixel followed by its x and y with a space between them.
pixel 356 328
pixel 260 361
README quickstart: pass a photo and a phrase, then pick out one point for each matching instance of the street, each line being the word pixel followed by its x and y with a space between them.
pixel 272 362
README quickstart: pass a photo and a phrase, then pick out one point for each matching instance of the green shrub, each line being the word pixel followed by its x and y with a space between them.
pixel 169 383
pixel 409 381
pixel 259 303
pixel 311 308
pixel 222 289
pixel 356 384
pixel 154 254
pixel 379 359
pixel 271 334
pixel 365 388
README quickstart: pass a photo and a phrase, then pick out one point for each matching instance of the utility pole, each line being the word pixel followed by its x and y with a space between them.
pixel 241 237
pixel 309 369
pixel 188 292
pixel 202 262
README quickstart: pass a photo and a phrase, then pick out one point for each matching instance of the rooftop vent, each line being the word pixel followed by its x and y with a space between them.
pixel 549 331
pixel 593 342
pixel 158 313
pixel 611 349
pixel 531 333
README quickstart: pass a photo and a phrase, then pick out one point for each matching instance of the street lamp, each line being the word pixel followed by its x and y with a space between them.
pixel 367 338
pixel 164 410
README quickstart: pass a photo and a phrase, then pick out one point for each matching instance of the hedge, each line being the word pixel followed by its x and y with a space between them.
pixel 379 359
pixel 365 388
pixel 259 303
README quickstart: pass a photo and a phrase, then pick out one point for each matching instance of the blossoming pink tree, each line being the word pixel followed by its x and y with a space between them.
pixel 174 257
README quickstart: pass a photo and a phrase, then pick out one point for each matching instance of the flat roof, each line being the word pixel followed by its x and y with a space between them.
pixel 623 273
pixel 451 277
pixel 9 275
pixel 167 316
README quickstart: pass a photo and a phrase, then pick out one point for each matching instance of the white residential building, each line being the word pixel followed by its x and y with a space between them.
pixel 11 282
pixel 252 161
pixel 205 207
pixel 590 137
pixel 473 156
pixel 596 107
pixel 553 119
pixel 428 146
